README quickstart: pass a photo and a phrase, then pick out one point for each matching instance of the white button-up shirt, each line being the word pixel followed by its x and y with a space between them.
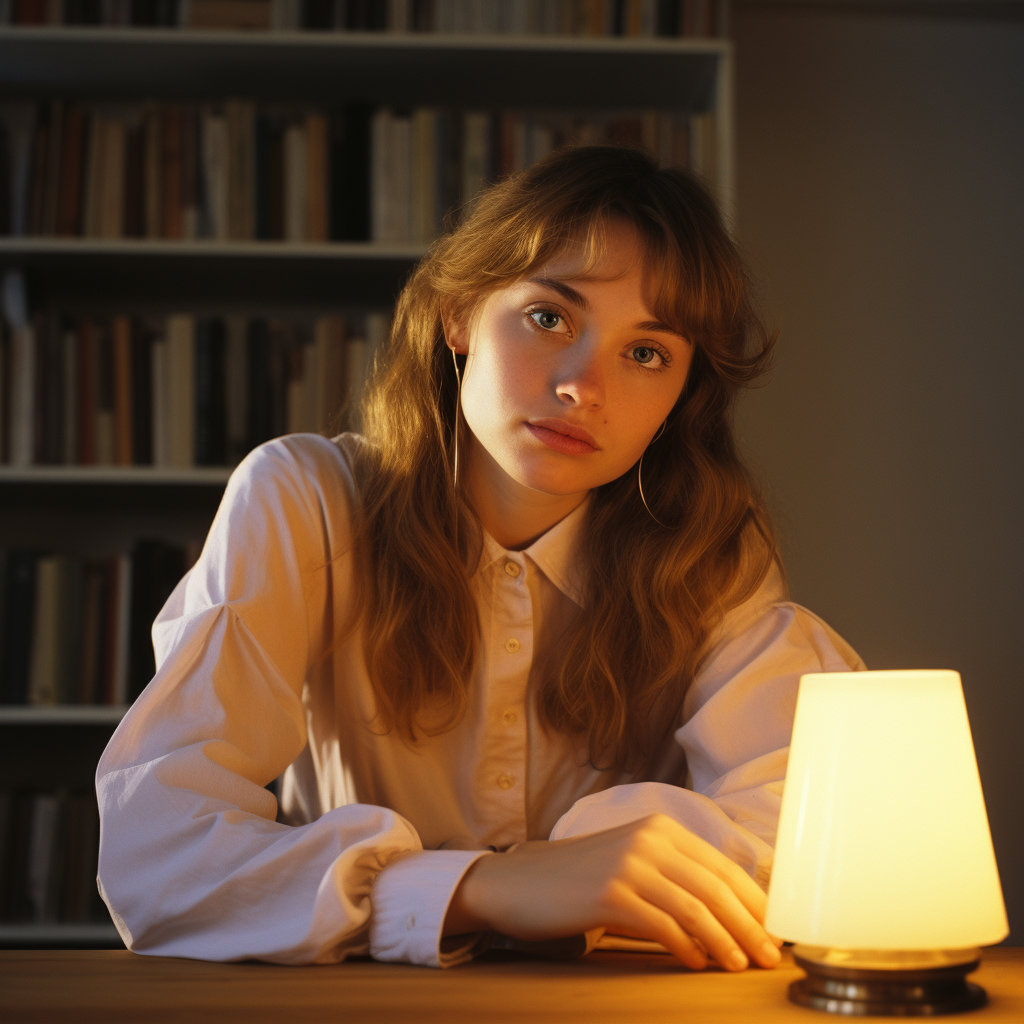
pixel 197 858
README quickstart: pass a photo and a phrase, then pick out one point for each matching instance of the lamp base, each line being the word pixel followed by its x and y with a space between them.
pixel 882 983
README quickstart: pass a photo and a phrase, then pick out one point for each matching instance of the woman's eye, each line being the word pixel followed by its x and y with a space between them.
pixel 546 318
pixel 645 355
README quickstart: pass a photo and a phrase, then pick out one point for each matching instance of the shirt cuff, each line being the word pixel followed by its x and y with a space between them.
pixel 409 902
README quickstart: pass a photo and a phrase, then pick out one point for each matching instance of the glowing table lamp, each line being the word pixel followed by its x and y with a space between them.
pixel 884 872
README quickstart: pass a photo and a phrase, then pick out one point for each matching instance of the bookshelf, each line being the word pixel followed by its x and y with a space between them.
pixel 94 510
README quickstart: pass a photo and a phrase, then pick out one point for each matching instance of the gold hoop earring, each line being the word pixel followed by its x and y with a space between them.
pixel 639 472
pixel 455 428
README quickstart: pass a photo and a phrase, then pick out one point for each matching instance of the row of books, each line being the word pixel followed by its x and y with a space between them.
pixel 426 162
pixel 75 630
pixel 631 18
pixel 226 171
pixel 238 171
pixel 49 844
pixel 179 391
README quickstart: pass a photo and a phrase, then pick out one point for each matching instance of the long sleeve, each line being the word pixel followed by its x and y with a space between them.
pixel 192 861
pixel 737 721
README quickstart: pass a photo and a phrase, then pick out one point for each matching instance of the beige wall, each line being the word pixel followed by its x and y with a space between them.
pixel 880 172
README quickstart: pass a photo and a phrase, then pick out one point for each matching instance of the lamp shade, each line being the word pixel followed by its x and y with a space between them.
pixel 883 841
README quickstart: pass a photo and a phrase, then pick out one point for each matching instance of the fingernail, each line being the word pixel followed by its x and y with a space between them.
pixel 770 953
pixel 737 961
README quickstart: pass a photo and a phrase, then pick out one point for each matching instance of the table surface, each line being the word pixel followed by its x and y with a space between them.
pixel 117 987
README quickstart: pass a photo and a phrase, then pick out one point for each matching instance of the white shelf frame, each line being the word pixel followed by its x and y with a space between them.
pixel 72 933
pixel 199 476
pixel 62 714
pixel 50 245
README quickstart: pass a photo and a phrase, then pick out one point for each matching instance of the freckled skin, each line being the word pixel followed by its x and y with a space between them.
pixel 534 354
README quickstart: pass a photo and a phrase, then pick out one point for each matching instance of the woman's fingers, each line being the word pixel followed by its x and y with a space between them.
pixel 712 898
pixel 716 916
pixel 632 915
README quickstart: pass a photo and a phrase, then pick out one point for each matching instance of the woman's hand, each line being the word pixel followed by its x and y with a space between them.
pixel 649 879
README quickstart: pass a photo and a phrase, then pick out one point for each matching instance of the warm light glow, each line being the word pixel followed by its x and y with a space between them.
pixel 883 840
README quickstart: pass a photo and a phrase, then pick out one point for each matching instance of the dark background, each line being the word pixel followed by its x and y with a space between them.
pixel 880 149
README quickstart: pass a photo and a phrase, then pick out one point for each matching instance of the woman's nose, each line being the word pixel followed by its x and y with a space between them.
pixel 580 381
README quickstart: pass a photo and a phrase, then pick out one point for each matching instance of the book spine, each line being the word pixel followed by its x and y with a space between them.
pixel 105 417
pixel 171 128
pixel 69 205
pixel 42 685
pixel 23 394
pixel 122 348
pixel 112 181
pixel 296 183
pixel 54 159
pixel 70 629
pixel 181 388
pixel 142 393
pixel 152 177
pixel 209 426
pixel 87 392
pixel 90 688
pixel 236 388
pixel 122 628
pixel 317 170
pixel 72 389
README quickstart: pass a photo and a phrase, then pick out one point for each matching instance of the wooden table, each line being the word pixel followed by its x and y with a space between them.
pixel 118 987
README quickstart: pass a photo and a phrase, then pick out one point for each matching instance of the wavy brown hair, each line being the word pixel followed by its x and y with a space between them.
pixel 653 594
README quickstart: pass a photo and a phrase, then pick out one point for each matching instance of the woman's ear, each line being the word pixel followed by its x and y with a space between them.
pixel 454 337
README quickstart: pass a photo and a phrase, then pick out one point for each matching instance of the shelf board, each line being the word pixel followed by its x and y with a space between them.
pixel 85 934
pixel 379 67
pixel 198 476
pixel 158 273
pixel 69 714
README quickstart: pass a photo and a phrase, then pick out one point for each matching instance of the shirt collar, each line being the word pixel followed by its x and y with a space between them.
pixel 551 552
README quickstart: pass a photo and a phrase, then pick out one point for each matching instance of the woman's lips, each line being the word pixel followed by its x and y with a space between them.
pixel 561 442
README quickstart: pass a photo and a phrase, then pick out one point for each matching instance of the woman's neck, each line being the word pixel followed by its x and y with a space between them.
pixel 514 515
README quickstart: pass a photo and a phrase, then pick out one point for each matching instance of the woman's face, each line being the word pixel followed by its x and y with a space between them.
pixel 560 354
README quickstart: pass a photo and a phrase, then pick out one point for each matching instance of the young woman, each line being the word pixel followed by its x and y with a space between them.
pixel 522 652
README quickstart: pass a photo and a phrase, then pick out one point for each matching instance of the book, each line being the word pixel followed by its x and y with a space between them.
pixel 171 170
pixel 236 392
pixel 90 689
pixel 21 360
pixel 70 622
pixel 330 373
pixel 121 340
pixel 317 174
pixel 180 389
pixel 241 153
pixel 233 14
pixel 71 394
pixel 69 191
pixel 42 683
pixel 87 391
pixel 296 182
pixel 104 430
pixel 143 334
pixel 210 429
pixel 214 132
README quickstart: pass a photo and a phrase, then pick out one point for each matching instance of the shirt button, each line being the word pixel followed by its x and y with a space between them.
pixel 506 781
pixel 512 645
pixel 510 717
pixel 512 569
pixel 410 922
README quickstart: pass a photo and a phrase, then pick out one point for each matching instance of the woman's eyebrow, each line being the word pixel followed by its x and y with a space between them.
pixel 656 325
pixel 566 291
pixel 578 298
